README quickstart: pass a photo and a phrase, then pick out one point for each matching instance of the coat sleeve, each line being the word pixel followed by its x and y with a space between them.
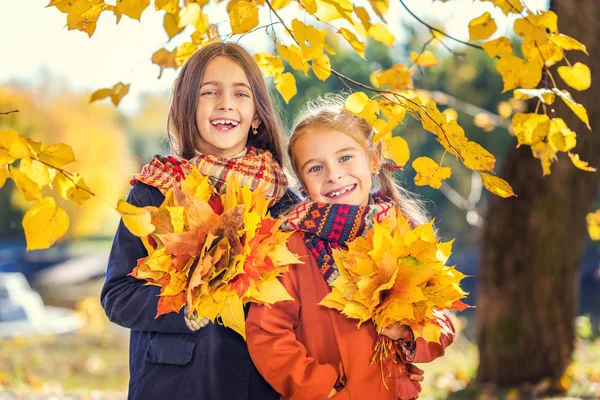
pixel 128 301
pixel 278 355
pixel 429 351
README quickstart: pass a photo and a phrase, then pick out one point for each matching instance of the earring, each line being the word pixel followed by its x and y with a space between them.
pixel 255 131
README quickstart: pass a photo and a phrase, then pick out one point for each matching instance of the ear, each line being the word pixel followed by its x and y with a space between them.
pixel 256 122
pixel 374 161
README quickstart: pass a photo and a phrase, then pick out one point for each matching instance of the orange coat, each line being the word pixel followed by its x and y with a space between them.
pixel 301 348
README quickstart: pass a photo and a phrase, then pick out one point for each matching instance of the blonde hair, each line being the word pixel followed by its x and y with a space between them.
pixel 329 112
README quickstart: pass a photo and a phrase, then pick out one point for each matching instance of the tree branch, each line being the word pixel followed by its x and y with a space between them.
pixel 9 112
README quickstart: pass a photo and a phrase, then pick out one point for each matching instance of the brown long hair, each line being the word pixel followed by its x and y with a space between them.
pixel 328 111
pixel 182 126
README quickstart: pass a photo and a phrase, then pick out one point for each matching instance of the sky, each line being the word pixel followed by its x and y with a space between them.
pixel 35 43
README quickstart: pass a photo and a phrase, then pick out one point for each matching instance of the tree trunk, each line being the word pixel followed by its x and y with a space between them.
pixel 528 279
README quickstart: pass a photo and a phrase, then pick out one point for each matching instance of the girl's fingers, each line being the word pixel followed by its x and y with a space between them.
pixel 413 369
pixel 415 377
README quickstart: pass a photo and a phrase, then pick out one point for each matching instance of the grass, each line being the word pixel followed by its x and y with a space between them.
pixel 93 364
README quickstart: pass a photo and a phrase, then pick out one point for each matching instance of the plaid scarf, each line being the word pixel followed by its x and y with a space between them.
pixel 253 168
pixel 325 226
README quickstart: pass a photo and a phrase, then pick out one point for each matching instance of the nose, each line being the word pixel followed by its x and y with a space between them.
pixel 225 103
pixel 334 175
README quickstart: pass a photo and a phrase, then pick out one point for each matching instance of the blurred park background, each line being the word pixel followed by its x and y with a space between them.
pixel 75 352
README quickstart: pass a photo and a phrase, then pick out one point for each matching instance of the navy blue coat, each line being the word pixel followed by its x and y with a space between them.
pixel 166 359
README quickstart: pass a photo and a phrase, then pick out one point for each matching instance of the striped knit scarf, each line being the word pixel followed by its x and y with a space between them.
pixel 325 226
pixel 254 168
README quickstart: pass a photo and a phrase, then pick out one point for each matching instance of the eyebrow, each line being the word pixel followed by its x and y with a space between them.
pixel 337 152
pixel 235 84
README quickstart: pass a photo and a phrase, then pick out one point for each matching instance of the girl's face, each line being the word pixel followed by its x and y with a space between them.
pixel 226 110
pixel 334 167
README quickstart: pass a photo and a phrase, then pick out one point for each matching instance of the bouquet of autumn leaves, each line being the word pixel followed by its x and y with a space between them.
pixel 396 273
pixel 214 252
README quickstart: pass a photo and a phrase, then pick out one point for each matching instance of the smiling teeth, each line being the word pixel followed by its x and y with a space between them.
pixel 341 192
pixel 224 122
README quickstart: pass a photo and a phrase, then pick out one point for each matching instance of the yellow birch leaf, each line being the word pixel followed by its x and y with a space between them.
pixel 243 17
pixel 496 185
pixel 475 157
pixel 398 77
pixel 132 8
pixel 396 149
pixel 177 214
pixel 430 173
pixel 382 34
pixel 330 10
pixel 426 59
pixel 184 52
pixel 530 128
pixel 560 137
pixel 279 4
pixel 116 93
pixel 4 175
pixel 137 220
pixel 582 165
pixel 542 53
pixel 44 223
pixel 356 44
pixel 73 189
pixel 13 146
pixel 171 24
pixel 37 172
pixel 189 15
pixel 578 76
pixel 322 67
pixel 293 55
pixel 232 314
pixel 389 126
pixel 309 5
pixel 270 65
pixel 28 187
pixel 356 102
pixel 286 86
pixel 498 47
pixel 482 27
pixel 544 95
pixel 81 15
pixel 577 108
pixel 380 7
pixel 363 16
pixel 170 6
pixel 567 43
pixel 518 72
pixel 507 6
pixel 313 36
pixel 164 59
pixel 56 156
pixel 451 114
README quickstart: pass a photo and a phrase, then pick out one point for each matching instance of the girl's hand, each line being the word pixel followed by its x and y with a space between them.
pixel 396 331
pixel 332 393
pixel 414 373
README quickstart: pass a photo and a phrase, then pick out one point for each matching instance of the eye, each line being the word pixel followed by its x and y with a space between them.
pixel 242 94
pixel 315 168
pixel 209 93
pixel 345 158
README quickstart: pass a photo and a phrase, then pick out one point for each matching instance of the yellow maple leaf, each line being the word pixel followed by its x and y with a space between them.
pixel 518 72
pixel 496 185
pixel 164 59
pixel 136 219
pixel 577 108
pixel 29 188
pixel 381 33
pixel 482 27
pixel 286 86
pixel 243 16
pixel 498 47
pixel 72 188
pixel 81 15
pixel 356 44
pixel 44 223
pixel 577 76
pixel 593 224
pixel 426 59
pixel 430 173
pixel 582 165
pixel 322 67
pixel 116 93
